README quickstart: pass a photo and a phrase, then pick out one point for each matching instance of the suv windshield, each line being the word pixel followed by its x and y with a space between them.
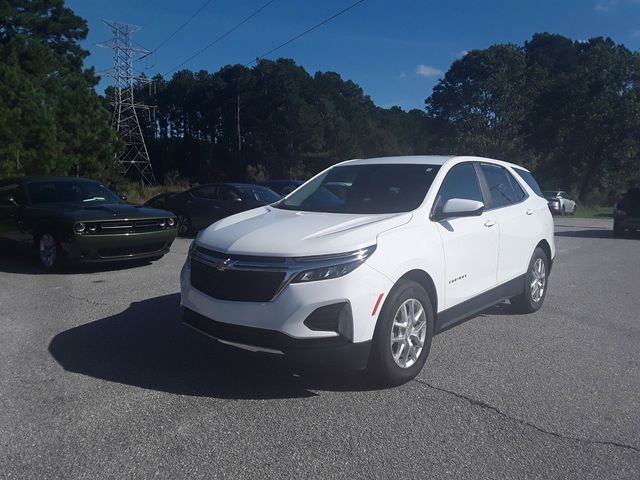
pixel 365 189
pixel 71 191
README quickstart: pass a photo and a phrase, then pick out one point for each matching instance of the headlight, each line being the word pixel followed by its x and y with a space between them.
pixel 92 227
pixel 336 265
pixel 171 222
pixel 79 227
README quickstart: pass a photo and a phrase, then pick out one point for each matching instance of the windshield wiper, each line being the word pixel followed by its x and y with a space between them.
pixel 93 199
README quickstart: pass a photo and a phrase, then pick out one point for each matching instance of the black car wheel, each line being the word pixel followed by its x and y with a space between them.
pixel 535 284
pixel 403 335
pixel 49 252
pixel 618 230
pixel 184 225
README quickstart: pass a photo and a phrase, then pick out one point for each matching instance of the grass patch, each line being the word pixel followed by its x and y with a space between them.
pixel 594 212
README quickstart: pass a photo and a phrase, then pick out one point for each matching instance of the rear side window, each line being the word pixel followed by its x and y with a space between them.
pixel 208 192
pixel 9 194
pixel 460 182
pixel 503 188
pixel 529 180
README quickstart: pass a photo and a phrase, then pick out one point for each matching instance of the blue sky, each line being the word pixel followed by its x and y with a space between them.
pixel 395 50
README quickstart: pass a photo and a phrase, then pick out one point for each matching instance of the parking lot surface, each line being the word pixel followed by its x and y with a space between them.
pixel 98 379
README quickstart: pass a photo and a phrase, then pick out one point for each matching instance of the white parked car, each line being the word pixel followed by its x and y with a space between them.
pixel 560 202
pixel 366 274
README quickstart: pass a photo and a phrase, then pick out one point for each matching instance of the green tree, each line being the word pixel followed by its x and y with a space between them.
pixel 51 119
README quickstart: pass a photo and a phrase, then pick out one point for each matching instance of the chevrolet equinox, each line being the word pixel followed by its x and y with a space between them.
pixel 363 264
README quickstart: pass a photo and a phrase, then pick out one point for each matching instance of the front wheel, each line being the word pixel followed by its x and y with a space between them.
pixel 184 225
pixel 49 252
pixel 403 335
pixel 535 284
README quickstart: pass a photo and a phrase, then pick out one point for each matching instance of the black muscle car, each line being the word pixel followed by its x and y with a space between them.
pixel 80 220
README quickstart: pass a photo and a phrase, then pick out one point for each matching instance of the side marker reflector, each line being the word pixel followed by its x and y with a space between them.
pixel 375 307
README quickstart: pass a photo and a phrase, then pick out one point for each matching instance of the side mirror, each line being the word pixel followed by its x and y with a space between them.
pixel 459 207
pixel 12 201
pixel 123 198
pixel 236 199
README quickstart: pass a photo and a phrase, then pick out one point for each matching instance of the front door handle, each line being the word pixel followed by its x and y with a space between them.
pixel 529 211
pixel 489 223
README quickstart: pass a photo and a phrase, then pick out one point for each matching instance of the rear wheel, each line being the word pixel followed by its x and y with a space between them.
pixel 535 284
pixel 403 335
pixel 49 252
pixel 618 231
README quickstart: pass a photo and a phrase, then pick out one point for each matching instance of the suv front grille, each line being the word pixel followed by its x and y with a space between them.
pixel 235 284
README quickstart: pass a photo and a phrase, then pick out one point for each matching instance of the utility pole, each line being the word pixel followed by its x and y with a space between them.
pixel 134 161
pixel 238 126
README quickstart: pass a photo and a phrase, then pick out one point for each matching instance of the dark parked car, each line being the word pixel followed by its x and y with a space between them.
pixel 199 207
pixel 80 220
pixel 626 215
pixel 281 187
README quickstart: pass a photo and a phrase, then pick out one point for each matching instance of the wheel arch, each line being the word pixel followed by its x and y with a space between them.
pixel 424 279
pixel 546 248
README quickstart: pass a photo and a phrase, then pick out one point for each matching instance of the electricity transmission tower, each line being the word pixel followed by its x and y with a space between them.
pixel 134 161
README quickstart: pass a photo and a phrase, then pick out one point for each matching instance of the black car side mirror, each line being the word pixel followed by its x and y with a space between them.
pixel 123 198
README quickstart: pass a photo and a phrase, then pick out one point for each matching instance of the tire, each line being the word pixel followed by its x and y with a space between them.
pixel 185 227
pixel 384 366
pixel 618 231
pixel 531 298
pixel 50 255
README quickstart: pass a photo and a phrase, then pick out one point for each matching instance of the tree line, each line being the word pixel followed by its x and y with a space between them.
pixel 568 110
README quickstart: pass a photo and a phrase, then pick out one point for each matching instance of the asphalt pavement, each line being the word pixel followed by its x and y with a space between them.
pixel 98 379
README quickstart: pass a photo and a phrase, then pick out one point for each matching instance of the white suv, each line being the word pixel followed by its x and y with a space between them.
pixel 362 265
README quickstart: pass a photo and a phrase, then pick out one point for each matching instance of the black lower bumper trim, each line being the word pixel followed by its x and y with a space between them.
pixel 333 351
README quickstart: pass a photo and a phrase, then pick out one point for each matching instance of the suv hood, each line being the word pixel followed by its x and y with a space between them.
pixel 269 231
pixel 103 211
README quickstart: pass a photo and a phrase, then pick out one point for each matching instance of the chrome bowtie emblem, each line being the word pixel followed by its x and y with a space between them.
pixel 224 265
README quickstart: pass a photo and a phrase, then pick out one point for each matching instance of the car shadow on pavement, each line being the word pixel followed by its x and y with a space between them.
pixel 594 233
pixel 147 346
pixel 16 261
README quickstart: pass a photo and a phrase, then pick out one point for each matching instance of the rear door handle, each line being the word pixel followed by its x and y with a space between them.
pixel 529 211
pixel 489 223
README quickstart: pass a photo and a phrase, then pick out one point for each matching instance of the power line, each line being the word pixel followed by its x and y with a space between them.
pixel 293 39
pixel 202 7
pixel 225 34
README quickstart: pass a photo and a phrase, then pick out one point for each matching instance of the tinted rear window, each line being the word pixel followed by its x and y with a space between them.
pixel 529 180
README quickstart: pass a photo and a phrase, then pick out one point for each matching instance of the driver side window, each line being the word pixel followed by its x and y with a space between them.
pixel 461 182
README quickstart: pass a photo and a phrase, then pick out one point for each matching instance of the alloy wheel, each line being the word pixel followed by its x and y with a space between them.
pixel 184 225
pixel 48 250
pixel 408 333
pixel 538 280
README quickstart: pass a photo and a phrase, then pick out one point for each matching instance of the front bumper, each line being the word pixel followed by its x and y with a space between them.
pixel 333 351
pixel 118 247
pixel 279 324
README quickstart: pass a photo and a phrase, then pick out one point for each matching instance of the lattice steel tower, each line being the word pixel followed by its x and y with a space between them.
pixel 134 161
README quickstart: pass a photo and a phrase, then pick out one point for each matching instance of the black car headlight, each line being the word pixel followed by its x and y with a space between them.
pixel 79 227
pixel 171 222
pixel 335 266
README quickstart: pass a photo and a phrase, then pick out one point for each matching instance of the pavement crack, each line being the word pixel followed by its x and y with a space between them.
pixel 484 405
pixel 83 299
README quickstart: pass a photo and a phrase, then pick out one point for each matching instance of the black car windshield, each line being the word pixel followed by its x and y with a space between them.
pixel 365 189
pixel 255 193
pixel 62 191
